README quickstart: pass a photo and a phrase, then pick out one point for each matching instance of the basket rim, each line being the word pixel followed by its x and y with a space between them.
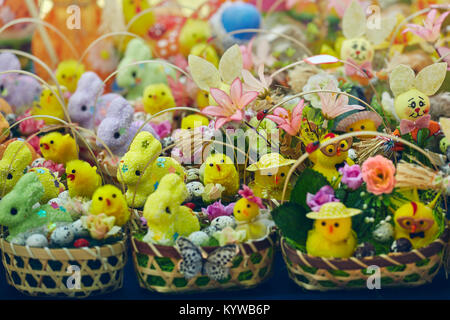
pixel 64 253
pixel 353 263
pixel 172 252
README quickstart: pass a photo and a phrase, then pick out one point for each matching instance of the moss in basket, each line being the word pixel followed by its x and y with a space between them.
pixel 245 275
pixel 165 264
pixel 356 283
pixel 179 282
pixel 202 281
pixel 433 269
pixel 142 259
pixel 155 281
pixel 411 278
pixel 423 262
pixel 255 258
pixel 236 262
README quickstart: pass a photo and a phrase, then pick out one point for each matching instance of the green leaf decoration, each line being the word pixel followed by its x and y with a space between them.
pixel 422 136
pixel 292 221
pixel 308 181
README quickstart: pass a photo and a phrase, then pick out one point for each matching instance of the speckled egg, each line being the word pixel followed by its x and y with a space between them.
pixel 195 189
pixel 223 221
pixel 383 232
pixel 78 229
pixel 62 236
pixel 199 238
pixel 210 230
pixel 192 175
pixel 39 162
pixel 37 240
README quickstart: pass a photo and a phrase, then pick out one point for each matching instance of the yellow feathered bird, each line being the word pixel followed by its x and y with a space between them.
pixel 82 179
pixel 219 168
pixel 157 97
pixel 58 148
pixel 109 200
pixel 332 235
pixel 68 73
pixel 50 106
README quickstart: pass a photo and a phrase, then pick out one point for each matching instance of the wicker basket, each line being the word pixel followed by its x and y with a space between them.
pixel 408 269
pixel 46 272
pixel 157 267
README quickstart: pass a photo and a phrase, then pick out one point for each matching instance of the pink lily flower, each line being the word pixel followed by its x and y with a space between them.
pixel 247 57
pixel 289 122
pixel 253 84
pixel 333 105
pixel 230 107
pixel 431 28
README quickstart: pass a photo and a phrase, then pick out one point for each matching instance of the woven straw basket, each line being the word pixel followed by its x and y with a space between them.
pixel 47 272
pixel 157 267
pixel 408 269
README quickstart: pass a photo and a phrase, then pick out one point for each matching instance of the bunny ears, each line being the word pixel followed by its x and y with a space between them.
pixel 428 80
pixel 206 75
pixel 355 24
pixel 247 193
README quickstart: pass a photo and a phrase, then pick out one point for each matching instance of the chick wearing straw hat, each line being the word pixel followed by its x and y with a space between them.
pixel 270 175
pixel 332 235
pixel 360 121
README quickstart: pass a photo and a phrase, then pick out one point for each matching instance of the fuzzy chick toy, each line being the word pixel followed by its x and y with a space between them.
pixel 109 200
pixel 58 148
pixel 193 32
pixel 270 175
pixel 49 105
pixel 52 186
pixel 219 168
pixel 246 212
pixel 82 179
pixel 68 73
pixel 157 97
pixel 332 235
pixel 164 213
pixel 16 158
pixel 415 221
pixel 326 158
pixel 193 121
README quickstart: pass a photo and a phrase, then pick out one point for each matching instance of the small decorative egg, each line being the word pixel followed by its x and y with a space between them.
pixel 62 236
pixel 210 230
pixel 37 240
pixel 365 249
pixel 192 175
pixel 401 245
pixel 239 15
pixel 78 229
pixel 199 238
pixel 352 154
pixel 39 162
pixel 81 243
pixel 195 189
pixel 223 221
pixel 383 232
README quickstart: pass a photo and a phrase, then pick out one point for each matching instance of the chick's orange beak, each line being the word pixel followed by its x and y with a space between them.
pixel 338 152
pixel 218 167
pixel 330 229
pixel 108 202
pixel 45 146
pixel 245 212
pixel 277 179
pixel 413 228
pixel 71 177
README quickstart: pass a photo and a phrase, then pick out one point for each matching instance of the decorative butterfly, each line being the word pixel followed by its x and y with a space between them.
pixel 196 261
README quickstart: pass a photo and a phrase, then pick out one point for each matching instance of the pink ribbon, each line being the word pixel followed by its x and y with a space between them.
pixel 406 126
pixel 351 70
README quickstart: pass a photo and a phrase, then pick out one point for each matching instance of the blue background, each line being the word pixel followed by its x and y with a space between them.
pixel 278 286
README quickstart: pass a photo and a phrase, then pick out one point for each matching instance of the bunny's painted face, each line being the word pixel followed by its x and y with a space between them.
pixel 359 50
pixel 412 105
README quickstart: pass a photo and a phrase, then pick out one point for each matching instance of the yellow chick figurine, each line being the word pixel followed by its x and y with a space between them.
pixel 82 179
pixel 332 235
pixel 50 106
pixel 58 148
pixel 163 208
pixel 270 175
pixel 415 222
pixel 52 186
pixel 202 99
pixel 14 162
pixel 193 32
pixel 109 200
pixel 246 213
pixel 157 97
pixel 326 158
pixel 360 121
pixel 207 52
pixel 193 121
pixel 131 8
pixel 219 168
pixel 68 73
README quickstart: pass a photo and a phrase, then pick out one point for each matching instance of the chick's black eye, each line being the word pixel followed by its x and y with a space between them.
pixel 248 205
pixel 167 209
pixel 114 195
pixel 336 224
pixel 133 74
pixel 163 93
pixel 282 174
pixel 363 127
pixel 13 211
pixel 211 164
pixel 51 141
pixel 222 161
pixel 116 135
pixel 83 108
pixel 138 173
pixel 324 223
pixel 100 198
pixel 9 176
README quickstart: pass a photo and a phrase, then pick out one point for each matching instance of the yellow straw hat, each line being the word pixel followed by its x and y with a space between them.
pixel 333 210
pixel 358 116
pixel 270 161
